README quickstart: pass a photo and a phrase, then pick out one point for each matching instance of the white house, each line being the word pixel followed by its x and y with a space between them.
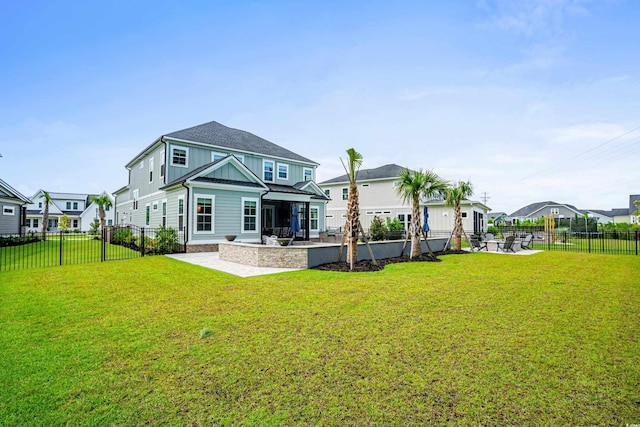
pixel 77 206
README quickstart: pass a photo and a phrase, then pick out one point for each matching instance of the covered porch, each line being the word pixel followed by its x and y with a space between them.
pixel 283 206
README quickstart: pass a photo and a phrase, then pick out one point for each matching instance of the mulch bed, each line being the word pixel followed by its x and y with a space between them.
pixel 366 265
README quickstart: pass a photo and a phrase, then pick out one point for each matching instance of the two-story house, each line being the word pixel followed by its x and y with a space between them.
pixel 378 197
pixel 13 205
pixel 210 181
pixel 77 206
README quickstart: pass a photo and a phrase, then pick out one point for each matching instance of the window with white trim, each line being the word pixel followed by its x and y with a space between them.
pixel 34 223
pixel 240 157
pixel 147 214
pixel 68 206
pixel 249 214
pixel 308 174
pixel 204 214
pixel 555 211
pixel 162 163
pixel 136 195
pixel 217 156
pixel 151 170
pixel 155 206
pixel 267 168
pixel 8 210
pixel 327 193
pixel 313 219
pixel 180 214
pixel 283 171
pixel 164 213
pixel 180 156
pixel 345 193
pixel 75 206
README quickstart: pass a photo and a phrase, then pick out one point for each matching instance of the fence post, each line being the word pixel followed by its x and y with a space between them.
pixel 60 248
pixel 103 255
pixel 142 241
pixel 636 236
pixel 589 241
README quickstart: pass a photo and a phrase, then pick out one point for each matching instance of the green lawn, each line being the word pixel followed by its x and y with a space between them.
pixel 478 339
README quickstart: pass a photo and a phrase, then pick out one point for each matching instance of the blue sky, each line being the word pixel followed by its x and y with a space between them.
pixel 529 100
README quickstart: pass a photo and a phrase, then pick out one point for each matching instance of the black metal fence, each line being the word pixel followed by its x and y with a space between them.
pixel 612 242
pixel 112 243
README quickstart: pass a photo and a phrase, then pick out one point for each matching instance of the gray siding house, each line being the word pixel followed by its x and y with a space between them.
pixel 210 181
pixel 13 213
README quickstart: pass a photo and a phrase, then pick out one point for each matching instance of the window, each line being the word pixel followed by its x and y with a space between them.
pixel 555 211
pixel 249 214
pixel 240 157
pixel 464 214
pixel 161 163
pixel 75 206
pixel 136 194
pixel 308 174
pixel 155 206
pixel 8 210
pixel 345 193
pixel 150 170
pixel 327 193
pixel 365 185
pixel 74 223
pixel 369 213
pixel 34 223
pixel 180 214
pixel 106 208
pixel 142 164
pixel 180 157
pixel 164 213
pixel 283 171
pixel 204 214
pixel 217 156
pixel 147 215
pixel 109 222
pixel 313 218
pixel 267 167
pixel 40 205
pixel 68 205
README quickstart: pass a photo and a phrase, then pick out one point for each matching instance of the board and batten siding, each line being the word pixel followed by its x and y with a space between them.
pixel 9 223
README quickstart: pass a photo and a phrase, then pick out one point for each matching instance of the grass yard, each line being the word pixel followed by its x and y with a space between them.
pixel 479 339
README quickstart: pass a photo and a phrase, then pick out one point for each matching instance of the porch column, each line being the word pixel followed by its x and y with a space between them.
pixel 307 228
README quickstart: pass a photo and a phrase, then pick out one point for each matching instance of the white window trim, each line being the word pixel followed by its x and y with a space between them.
pixel 273 171
pixel 195 213
pixel 155 206
pixel 151 170
pixel 136 197
pixel 216 153
pixel 147 221
pixel 186 160
pixel 8 210
pixel 162 160
pixel 317 218
pixel 240 157
pixel 304 176
pixel 345 188
pixel 141 164
pixel 249 199
pixel 286 170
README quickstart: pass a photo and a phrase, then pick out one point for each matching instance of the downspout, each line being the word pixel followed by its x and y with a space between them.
pixel 186 225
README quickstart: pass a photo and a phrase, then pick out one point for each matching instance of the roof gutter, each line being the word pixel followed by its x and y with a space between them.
pixel 186 224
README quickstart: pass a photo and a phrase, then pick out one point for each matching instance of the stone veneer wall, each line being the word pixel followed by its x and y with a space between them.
pixel 264 256
pixel 213 247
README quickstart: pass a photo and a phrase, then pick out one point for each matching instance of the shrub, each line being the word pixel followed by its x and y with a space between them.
pixel 166 239
pixel 377 229
pixel 394 225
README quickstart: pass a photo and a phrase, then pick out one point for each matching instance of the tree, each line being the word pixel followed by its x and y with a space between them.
pixel 413 185
pixel 103 201
pixel 65 223
pixel 352 224
pixel 462 190
pixel 46 199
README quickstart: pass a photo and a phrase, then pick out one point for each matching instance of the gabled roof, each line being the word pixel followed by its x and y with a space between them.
pixel 197 175
pixel 217 135
pixel 383 172
pixel 632 206
pixel 535 207
pixel 8 191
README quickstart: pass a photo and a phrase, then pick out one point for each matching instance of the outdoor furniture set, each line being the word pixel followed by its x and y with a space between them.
pixel 509 244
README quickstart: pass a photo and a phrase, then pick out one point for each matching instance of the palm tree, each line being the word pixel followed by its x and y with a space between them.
pixel 103 201
pixel 352 224
pixel 46 198
pixel 411 186
pixel 454 195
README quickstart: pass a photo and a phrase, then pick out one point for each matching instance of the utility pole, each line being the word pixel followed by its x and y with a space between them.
pixel 485 198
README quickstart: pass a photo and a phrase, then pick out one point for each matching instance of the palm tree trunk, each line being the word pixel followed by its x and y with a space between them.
pixel 416 250
pixel 45 222
pixel 102 215
pixel 353 220
pixel 457 228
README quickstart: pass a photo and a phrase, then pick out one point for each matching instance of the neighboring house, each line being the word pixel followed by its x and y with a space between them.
pixel 209 181
pixel 378 197
pixel 538 210
pixel 13 205
pixel 77 206
pixel 497 217
pixel 441 217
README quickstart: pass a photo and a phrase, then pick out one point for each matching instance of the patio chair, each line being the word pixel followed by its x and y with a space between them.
pixel 507 245
pixel 525 244
pixel 477 245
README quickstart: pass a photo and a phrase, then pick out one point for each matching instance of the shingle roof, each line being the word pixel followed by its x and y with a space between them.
pixel 213 133
pixel 534 207
pixel 12 192
pixel 385 171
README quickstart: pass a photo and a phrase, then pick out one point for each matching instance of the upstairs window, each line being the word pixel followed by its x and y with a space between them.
pixel 267 167
pixel 162 164
pixel 136 195
pixel 327 193
pixel 75 206
pixel 68 205
pixel 345 193
pixel 179 157
pixel 283 171
pixel 308 174
pixel 8 210
pixel 150 170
